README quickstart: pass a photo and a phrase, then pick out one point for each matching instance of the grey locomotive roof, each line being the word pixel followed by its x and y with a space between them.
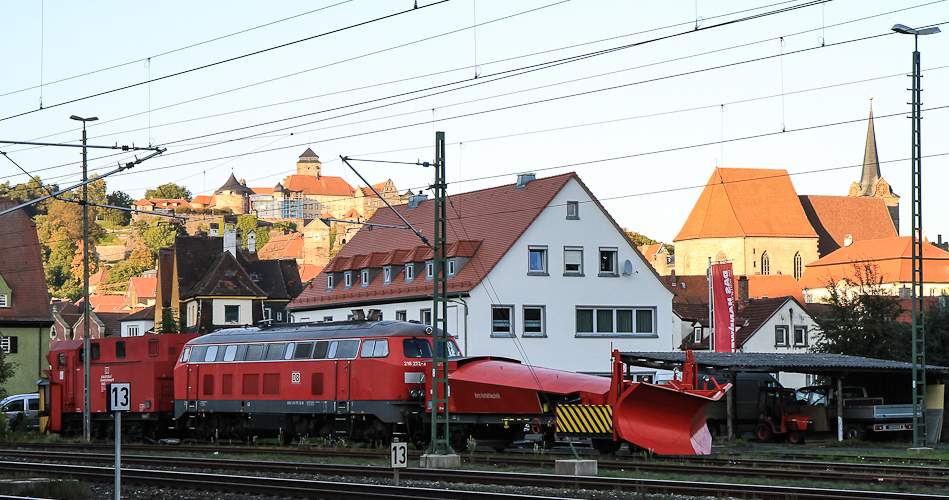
pixel 335 330
pixel 816 363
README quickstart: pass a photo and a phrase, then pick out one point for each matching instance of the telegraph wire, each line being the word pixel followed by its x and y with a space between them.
pixel 168 52
pixel 224 61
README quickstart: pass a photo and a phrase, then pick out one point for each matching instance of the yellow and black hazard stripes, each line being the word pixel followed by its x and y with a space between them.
pixel 584 419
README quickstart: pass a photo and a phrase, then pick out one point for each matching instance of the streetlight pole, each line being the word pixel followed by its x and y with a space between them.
pixel 916 241
pixel 87 396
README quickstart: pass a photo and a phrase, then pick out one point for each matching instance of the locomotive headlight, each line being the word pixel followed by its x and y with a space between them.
pixel 416 393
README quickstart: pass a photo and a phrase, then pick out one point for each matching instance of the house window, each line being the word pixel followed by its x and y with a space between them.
pixel 132 331
pixel 573 210
pixel 232 314
pixel 401 316
pixel 429 269
pixel 425 316
pixel 4 300
pixel 386 275
pixel 533 321
pixel 451 268
pixel 8 345
pixel 765 263
pixel 409 273
pixel 365 278
pixel 798 266
pixel 780 335
pixel 615 321
pixel 573 261
pixel 697 334
pixel 347 280
pixel 329 282
pixel 268 314
pixel 502 321
pixel 608 262
pixel 192 313
pixel 800 335
pixel 537 261
pixel 327 319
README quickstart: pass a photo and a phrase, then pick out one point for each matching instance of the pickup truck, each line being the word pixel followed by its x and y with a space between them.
pixel 861 414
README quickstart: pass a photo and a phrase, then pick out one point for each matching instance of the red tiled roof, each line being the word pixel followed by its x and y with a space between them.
pixel 325 185
pixel 269 190
pixel 484 215
pixel 836 217
pixel 203 199
pixel 649 251
pixel 396 257
pixel 417 254
pixel 774 285
pixel 309 271
pixel 107 303
pixel 22 268
pixel 99 276
pixel 747 202
pixel 288 246
pixel 144 287
pixel 163 203
pixel 351 214
pixel 893 257
pixel 756 313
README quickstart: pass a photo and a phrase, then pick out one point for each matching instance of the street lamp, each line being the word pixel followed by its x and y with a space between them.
pixel 916 241
pixel 86 354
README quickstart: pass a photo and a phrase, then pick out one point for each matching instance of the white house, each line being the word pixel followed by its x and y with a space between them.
pixel 537 271
pixel 138 323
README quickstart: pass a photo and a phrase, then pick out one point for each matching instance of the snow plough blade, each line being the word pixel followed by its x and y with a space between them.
pixel 664 419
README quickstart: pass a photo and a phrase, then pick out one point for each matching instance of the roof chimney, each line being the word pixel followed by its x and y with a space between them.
pixel 252 241
pixel 415 200
pixel 214 230
pixel 742 292
pixel 523 179
pixel 358 315
pixel 231 234
pixel 375 315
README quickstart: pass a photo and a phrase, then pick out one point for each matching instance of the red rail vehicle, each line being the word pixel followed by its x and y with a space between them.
pixel 146 362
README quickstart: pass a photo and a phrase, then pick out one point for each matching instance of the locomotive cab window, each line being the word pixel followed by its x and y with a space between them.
pixel 304 349
pixel 230 353
pixel 185 353
pixel 198 352
pixel 120 350
pixel 319 350
pixel 375 348
pixel 211 354
pixel 453 351
pixel 416 348
pixel 288 352
pixel 95 350
pixel 253 352
pixel 274 351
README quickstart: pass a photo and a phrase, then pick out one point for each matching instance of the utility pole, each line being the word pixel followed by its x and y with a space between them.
pixel 87 396
pixel 440 433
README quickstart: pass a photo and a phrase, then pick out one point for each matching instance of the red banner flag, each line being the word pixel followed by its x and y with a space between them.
pixel 723 307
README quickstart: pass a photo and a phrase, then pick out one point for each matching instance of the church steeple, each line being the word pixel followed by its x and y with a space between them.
pixel 871 165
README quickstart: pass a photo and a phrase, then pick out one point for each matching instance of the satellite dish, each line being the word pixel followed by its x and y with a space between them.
pixel 627 267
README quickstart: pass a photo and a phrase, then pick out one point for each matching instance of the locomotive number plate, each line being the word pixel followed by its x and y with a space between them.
pixel 295 377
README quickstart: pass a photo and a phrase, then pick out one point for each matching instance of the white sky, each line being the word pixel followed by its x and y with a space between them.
pixel 78 37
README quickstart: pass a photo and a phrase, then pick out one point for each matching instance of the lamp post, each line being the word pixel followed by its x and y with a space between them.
pixel 86 354
pixel 916 241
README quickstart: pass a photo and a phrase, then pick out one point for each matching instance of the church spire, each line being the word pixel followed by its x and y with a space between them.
pixel 871 165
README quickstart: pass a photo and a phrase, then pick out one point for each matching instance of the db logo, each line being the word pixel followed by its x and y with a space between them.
pixel 295 377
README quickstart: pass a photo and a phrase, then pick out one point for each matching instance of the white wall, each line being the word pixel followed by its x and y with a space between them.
pixel 142 325
pixel 764 339
pixel 245 312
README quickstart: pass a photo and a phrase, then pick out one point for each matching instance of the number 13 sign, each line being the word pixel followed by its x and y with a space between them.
pixel 119 396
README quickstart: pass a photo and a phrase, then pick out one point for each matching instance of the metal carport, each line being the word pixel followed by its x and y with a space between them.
pixel 728 364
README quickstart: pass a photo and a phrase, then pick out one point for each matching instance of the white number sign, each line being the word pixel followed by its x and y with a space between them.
pixel 120 396
pixel 399 455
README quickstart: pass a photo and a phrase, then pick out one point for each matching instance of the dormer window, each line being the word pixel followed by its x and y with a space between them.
pixel 4 300
pixel 429 269
pixel 347 280
pixel 329 282
pixel 365 278
pixel 254 277
pixel 409 272
pixel 386 275
pixel 451 268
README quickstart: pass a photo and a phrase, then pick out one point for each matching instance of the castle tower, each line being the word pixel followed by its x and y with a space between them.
pixel 309 164
pixel 872 184
pixel 233 195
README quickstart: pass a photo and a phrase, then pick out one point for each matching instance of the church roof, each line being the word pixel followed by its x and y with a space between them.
pixel 871 165
pixel 738 202
pixel 309 154
pixel 892 258
pixel 836 217
pixel 325 185
pixel 231 185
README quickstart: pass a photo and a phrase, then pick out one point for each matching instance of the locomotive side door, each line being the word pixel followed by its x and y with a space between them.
pixel 343 368
pixel 193 381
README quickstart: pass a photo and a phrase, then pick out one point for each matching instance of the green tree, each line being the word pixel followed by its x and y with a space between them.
pixel 67 216
pixel 169 321
pixel 290 227
pixel 31 190
pixel 248 223
pixel 96 191
pixel 936 323
pixel 861 320
pixel 7 369
pixel 169 191
pixel 640 240
pixel 140 260
pixel 158 235
pixel 118 217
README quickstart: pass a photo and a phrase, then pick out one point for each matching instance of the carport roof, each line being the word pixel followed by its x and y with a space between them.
pixel 813 363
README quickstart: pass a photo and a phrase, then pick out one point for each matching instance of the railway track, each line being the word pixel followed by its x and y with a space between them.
pixel 536 480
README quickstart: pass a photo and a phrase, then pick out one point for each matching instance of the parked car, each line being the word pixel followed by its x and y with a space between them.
pixel 22 411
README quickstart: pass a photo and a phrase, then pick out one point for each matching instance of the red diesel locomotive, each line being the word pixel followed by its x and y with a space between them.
pixel 363 381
